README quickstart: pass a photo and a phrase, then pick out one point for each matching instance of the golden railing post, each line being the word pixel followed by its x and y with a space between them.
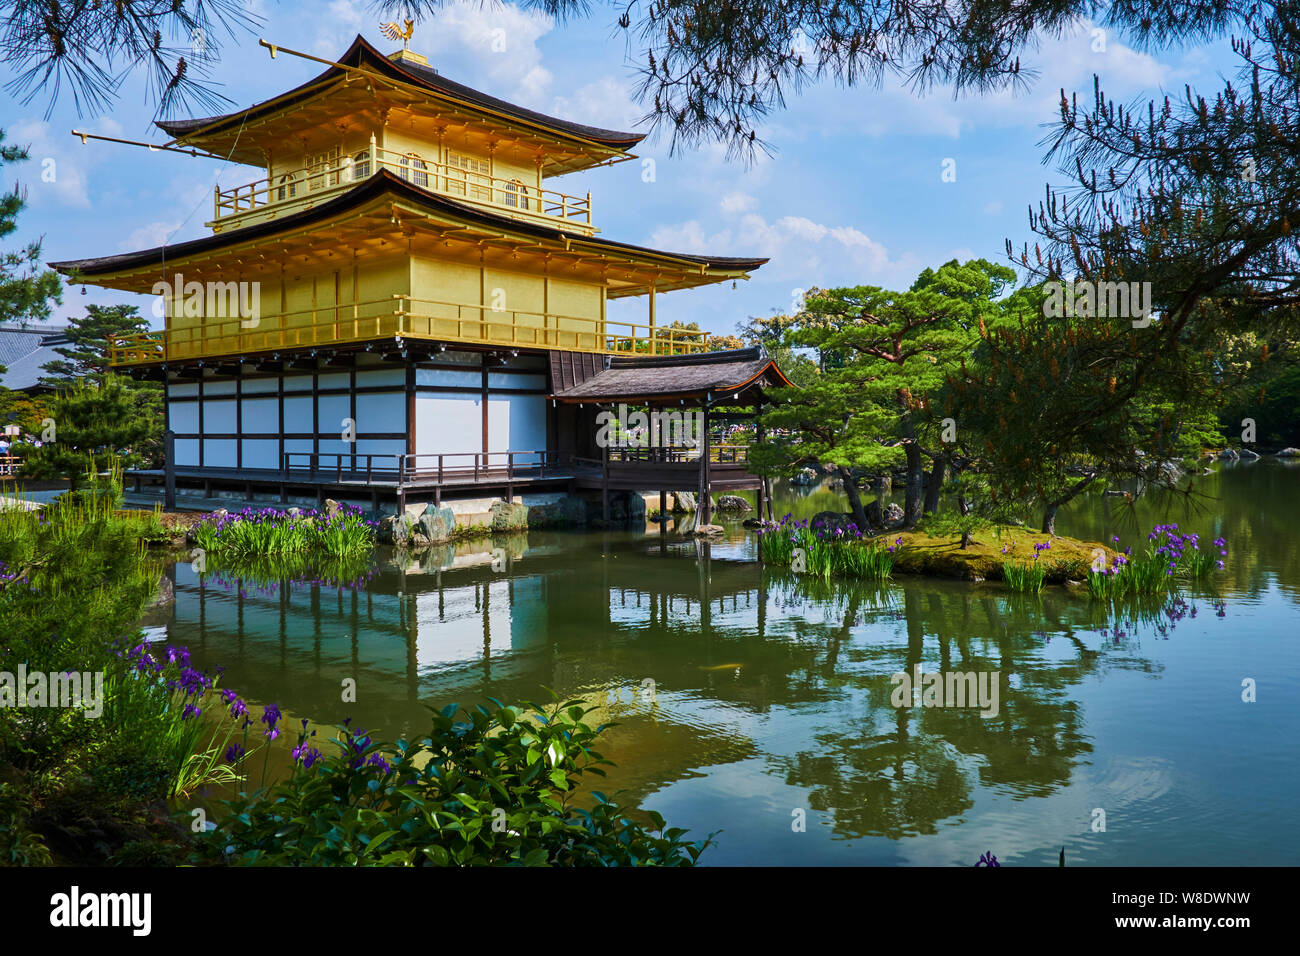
pixel 374 155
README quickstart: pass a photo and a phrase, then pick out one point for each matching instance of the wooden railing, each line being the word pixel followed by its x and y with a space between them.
pixel 9 465
pixel 509 196
pixel 720 453
pixel 401 316
pixel 454 468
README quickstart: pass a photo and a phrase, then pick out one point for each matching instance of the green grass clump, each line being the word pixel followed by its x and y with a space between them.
pixel 272 531
pixel 825 551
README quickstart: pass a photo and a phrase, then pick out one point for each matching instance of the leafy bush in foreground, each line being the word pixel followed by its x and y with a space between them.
pixel 498 788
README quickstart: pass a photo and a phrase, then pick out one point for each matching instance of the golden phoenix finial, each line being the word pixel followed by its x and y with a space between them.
pixel 394 32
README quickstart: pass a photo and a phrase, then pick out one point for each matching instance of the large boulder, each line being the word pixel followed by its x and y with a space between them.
pixel 509 516
pixel 1289 453
pixel 436 524
pixel 893 515
pixel 733 503
pixel 568 511
pixel 1248 455
pixel 683 502
pixel 332 507
pixel 393 530
pixel 706 530
pixel 166 593
pixel 1229 454
pixel 832 521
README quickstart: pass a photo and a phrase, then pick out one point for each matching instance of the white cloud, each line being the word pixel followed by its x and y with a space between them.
pixel 1067 62
pixel 802 251
pixel 149 236
pixel 604 102
pixel 736 202
pixel 58 167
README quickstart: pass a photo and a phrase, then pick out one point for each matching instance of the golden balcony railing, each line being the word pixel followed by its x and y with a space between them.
pixel 308 184
pixel 405 317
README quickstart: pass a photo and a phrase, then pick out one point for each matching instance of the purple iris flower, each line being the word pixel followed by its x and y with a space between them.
pixel 271 715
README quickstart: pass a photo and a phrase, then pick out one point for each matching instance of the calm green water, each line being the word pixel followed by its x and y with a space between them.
pixel 771 696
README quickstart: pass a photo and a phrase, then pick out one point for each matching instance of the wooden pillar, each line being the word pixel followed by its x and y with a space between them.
pixel 651 343
pixel 663 511
pixel 706 501
pixel 169 470
pixel 762 482
pixel 604 484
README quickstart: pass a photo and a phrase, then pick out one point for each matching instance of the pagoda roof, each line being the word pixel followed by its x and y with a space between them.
pixel 647 378
pixel 361 55
pixel 396 188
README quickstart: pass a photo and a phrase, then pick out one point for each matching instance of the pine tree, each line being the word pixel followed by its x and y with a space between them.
pixel 95 425
pixel 86 355
pixel 873 405
pixel 26 289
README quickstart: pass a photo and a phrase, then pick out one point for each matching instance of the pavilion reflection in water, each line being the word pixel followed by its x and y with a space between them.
pixel 728 644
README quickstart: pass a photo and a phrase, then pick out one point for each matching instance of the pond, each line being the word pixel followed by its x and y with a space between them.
pixel 761 704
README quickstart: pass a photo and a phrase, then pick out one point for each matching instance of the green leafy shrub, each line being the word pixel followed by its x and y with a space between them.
pixel 498 788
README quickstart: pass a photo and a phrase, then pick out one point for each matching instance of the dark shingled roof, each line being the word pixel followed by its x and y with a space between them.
pixel 647 377
pixel 23 352
pixel 383 181
pixel 362 54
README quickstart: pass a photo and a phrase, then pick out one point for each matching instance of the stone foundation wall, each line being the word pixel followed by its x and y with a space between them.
pixel 424 524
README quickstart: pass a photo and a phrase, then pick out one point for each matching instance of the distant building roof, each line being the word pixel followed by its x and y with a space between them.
pixel 640 378
pixel 23 352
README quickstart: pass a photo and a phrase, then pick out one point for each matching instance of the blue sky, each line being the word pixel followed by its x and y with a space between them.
pixel 854 193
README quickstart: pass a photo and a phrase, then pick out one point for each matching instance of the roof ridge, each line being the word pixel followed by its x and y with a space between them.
pixel 430 79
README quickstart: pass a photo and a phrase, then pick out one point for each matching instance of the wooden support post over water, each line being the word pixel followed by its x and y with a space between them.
pixel 169 470
pixel 604 484
pixel 663 511
pixel 706 496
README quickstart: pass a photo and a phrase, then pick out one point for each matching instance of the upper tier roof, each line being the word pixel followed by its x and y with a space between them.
pixel 362 55
pixel 382 184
